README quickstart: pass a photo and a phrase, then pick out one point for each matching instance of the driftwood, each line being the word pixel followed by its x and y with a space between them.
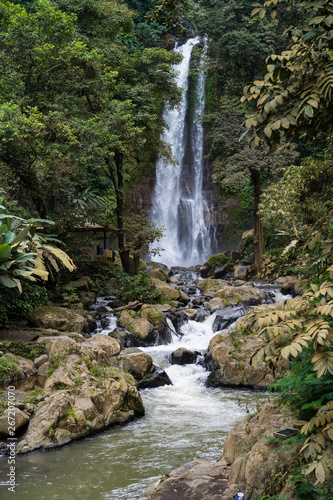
pixel 132 305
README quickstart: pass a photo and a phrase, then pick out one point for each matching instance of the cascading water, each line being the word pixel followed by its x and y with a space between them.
pixel 179 204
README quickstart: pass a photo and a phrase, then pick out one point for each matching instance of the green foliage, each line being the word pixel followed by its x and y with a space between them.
pixel 17 306
pixel 140 288
pixel 19 348
pixel 8 368
pixel 294 98
pixel 217 260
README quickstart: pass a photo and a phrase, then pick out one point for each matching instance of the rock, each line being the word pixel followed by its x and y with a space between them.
pixel 220 272
pixel 108 344
pixel 43 369
pixel 241 272
pixel 229 359
pixel 87 298
pixel 152 314
pixel 83 284
pixel 184 298
pixel 163 307
pixel 22 367
pixel 231 295
pixel 20 417
pixel 81 398
pixel 227 316
pixel 215 304
pixel 292 286
pixel 142 329
pixel 159 274
pixel 57 318
pixel 169 292
pixel 41 360
pixel 190 313
pixel 55 346
pixel 197 480
pixel 182 356
pixel 156 378
pixel 136 362
pixel 253 458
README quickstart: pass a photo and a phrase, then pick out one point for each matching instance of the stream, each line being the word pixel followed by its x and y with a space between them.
pixel 184 421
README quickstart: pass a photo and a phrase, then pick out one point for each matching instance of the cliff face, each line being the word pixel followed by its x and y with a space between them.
pixel 220 215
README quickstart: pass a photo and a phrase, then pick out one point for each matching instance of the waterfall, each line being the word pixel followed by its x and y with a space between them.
pixel 179 204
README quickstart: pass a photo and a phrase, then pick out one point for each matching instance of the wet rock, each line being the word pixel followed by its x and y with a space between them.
pixel 197 480
pixel 220 272
pixel 184 298
pixel 113 303
pixel 241 272
pixel 20 417
pixel 57 318
pixel 227 316
pixel 156 378
pixel 182 356
pixel 190 313
pixel 136 362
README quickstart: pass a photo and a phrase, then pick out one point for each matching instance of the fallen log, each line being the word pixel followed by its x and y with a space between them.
pixel 132 305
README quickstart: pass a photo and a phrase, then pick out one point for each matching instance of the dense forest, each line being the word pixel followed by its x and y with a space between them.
pixel 82 90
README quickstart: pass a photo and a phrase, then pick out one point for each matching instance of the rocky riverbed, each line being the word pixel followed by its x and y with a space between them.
pixel 92 380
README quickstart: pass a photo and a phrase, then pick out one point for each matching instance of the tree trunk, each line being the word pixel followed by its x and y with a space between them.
pixel 136 262
pixel 118 182
pixel 258 242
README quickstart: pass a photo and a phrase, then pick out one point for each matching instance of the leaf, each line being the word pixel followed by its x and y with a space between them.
pixel 320 473
pixel 7 281
pixel 5 251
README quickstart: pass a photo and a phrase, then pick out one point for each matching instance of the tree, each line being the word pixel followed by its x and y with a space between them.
pixel 141 232
pixel 295 96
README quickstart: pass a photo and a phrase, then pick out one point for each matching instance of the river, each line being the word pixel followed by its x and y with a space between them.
pixel 182 422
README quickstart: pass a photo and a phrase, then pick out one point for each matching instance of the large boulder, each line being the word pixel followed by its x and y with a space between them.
pixel 82 398
pixel 229 360
pixel 254 459
pixel 230 295
pixel 108 344
pixel 18 368
pixel 56 346
pixel 159 274
pixel 57 318
pixel 170 292
pixel 197 480
pixel 20 418
pixel 182 356
pixel 136 362
pixel 83 284
pixel 141 328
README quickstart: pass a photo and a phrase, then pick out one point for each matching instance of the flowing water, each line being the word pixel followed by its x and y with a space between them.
pixel 182 422
pixel 179 204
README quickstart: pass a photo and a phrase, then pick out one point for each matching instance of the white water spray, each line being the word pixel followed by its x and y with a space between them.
pixel 179 204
